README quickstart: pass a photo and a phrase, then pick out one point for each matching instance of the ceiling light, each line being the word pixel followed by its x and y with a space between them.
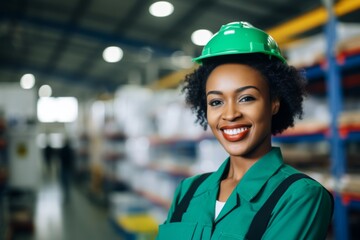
pixel 27 81
pixel 201 37
pixel 161 9
pixel 61 109
pixel 67 109
pixel 45 91
pixel 113 54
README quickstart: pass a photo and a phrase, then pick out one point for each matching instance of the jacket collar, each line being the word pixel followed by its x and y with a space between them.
pixel 253 180
pixel 256 177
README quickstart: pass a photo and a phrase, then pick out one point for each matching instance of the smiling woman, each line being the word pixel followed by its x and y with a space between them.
pixel 246 92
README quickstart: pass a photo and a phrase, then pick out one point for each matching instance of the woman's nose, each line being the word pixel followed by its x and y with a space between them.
pixel 231 112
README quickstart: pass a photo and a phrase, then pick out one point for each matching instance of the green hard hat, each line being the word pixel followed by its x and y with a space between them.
pixel 239 38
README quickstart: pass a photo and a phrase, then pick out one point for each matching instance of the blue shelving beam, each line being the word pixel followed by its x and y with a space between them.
pixel 353 136
pixel 355 205
pixel 316 137
pixel 316 71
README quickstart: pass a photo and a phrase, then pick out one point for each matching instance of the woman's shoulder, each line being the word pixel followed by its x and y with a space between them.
pixel 306 186
pixel 195 180
pixel 199 178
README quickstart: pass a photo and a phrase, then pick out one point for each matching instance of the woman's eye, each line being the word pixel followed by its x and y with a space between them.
pixel 214 103
pixel 246 99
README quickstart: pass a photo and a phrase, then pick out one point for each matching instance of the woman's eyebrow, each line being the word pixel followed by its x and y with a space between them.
pixel 237 90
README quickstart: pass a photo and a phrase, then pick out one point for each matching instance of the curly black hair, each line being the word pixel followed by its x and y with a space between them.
pixel 286 84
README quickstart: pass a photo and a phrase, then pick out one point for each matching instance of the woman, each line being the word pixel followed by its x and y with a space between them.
pixel 245 92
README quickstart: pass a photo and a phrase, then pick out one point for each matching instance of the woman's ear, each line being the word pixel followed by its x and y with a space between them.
pixel 275 106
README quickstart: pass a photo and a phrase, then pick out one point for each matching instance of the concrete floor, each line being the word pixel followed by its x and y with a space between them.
pixel 77 219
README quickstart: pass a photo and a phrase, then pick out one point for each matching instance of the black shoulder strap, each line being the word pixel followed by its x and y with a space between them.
pixel 260 221
pixel 262 217
pixel 184 203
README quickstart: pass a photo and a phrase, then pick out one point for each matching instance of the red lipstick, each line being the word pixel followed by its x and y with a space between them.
pixel 235 133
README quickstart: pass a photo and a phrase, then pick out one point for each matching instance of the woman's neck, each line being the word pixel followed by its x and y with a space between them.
pixel 239 165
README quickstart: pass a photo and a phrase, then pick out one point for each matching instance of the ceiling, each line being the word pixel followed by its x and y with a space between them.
pixel 61 41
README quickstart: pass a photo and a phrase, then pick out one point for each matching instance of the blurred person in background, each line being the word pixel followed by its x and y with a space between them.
pixel 67 161
pixel 48 152
pixel 245 91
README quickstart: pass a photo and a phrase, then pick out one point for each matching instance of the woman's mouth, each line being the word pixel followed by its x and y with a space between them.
pixel 235 134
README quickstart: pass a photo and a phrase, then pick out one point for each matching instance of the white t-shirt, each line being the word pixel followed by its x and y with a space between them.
pixel 218 206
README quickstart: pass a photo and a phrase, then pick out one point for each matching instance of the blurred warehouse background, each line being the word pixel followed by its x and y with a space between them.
pixel 94 132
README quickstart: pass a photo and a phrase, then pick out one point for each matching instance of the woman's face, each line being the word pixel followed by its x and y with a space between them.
pixel 239 110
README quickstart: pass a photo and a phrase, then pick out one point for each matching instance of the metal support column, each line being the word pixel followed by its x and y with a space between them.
pixel 337 145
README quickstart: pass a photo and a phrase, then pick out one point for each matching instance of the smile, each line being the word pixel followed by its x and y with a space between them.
pixel 235 134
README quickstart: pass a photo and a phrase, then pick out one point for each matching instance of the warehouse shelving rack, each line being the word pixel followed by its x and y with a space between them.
pixel 336 65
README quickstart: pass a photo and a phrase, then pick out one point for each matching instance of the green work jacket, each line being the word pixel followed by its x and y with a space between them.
pixel 303 212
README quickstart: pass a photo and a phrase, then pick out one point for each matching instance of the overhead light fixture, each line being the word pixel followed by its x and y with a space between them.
pixel 113 54
pixel 61 109
pixel 45 91
pixel 201 37
pixel 27 81
pixel 161 9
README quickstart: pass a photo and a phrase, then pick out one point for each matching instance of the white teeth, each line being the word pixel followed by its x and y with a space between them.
pixel 235 130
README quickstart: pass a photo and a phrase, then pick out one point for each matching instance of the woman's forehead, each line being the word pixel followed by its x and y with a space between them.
pixel 232 74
